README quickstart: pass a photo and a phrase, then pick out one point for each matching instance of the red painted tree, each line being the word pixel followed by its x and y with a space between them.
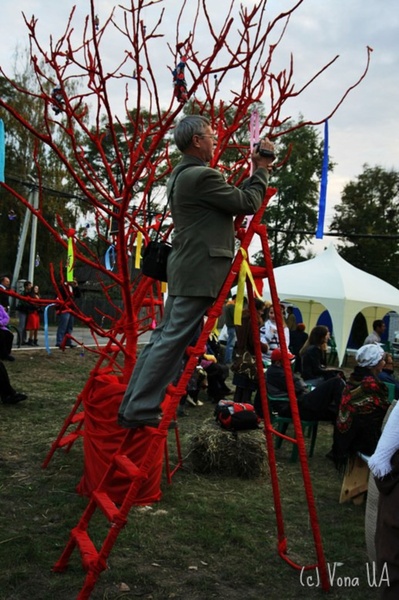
pixel 223 72
pixel 117 162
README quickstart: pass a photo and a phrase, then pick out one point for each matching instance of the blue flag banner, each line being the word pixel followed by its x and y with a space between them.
pixel 323 186
pixel 2 150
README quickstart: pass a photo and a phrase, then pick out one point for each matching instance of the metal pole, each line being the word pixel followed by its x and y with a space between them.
pixel 32 256
pixel 21 245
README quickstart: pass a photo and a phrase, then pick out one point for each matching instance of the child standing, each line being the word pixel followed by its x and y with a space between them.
pixel 33 319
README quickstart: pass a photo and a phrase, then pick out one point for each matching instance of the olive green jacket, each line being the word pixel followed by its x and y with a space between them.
pixel 203 206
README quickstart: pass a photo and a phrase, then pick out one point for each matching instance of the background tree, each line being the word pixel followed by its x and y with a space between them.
pixel 25 156
pixel 368 221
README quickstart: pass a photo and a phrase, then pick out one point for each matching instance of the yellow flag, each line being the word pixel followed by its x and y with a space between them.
pixel 70 259
pixel 245 271
pixel 139 243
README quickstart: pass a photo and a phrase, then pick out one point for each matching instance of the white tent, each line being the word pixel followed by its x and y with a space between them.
pixel 329 282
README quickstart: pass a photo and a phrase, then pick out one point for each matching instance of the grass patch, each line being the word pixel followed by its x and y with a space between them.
pixel 212 535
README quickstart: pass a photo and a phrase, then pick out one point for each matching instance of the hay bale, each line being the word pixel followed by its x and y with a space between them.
pixel 238 454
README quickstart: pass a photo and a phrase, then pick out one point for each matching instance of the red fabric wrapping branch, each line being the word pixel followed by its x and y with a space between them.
pixel 102 438
pixel 259 274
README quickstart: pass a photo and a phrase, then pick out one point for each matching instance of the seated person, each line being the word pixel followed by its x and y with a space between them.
pixel 363 407
pixel 6 337
pixel 387 374
pixel 7 393
pixel 244 366
pixel 197 382
pixel 314 357
pixel 375 336
pixel 318 404
pixel 216 372
pixel 298 339
pixel 269 334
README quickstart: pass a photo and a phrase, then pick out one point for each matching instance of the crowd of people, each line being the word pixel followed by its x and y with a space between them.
pixel 353 403
pixel 29 311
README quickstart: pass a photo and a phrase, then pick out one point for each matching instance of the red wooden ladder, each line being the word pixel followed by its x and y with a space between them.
pixel 139 470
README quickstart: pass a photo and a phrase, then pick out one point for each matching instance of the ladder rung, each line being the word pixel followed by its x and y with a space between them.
pixel 86 547
pixel 70 438
pixel 127 466
pixel 105 503
pixel 78 417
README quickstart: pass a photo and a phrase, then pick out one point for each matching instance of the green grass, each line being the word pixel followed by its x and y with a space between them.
pixel 211 536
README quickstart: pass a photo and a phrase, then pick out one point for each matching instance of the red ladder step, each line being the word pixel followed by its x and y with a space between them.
pixel 70 438
pixel 87 549
pixel 107 506
pixel 124 463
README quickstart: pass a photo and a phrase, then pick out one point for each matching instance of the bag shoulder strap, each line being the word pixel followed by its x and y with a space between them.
pixel 183 168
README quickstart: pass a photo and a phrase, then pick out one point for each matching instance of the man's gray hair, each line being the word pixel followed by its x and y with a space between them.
pixel 187 128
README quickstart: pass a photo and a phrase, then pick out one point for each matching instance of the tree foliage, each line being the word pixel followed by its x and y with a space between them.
pixel 367 219
pixel 26 157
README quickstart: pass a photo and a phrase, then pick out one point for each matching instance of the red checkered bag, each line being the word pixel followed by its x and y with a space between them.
pixel 236 416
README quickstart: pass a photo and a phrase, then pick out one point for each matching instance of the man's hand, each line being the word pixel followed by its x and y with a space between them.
pixel 263 161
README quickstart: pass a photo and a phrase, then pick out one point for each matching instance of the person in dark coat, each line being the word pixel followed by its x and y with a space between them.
pixel 7 393
pixel 6 336
pixel 387 374
pixel 314 357
pixel 203 206
pixel 298 338
pixel 319 404
pixel 4 297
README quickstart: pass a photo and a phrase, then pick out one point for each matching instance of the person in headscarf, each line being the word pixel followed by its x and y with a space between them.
pixel 362 409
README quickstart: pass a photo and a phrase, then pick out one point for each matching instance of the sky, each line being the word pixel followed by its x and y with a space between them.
pixel 365 130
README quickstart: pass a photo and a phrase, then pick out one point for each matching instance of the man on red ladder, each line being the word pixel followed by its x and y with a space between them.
pixel 203 206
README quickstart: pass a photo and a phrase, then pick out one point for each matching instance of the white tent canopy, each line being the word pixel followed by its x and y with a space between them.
pixel 329 282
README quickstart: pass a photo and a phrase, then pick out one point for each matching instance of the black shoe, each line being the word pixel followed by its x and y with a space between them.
pixel 71 345
pixel 14 398
pixel 35 343
pixel 10 357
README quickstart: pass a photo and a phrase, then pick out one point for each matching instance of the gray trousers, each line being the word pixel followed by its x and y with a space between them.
pixel 22 316
pixel 159 363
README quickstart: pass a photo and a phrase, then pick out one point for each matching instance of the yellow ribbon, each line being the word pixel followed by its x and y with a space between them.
pixel 245 271
pixel 139 243
pixel 70 260
pixel 215 329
